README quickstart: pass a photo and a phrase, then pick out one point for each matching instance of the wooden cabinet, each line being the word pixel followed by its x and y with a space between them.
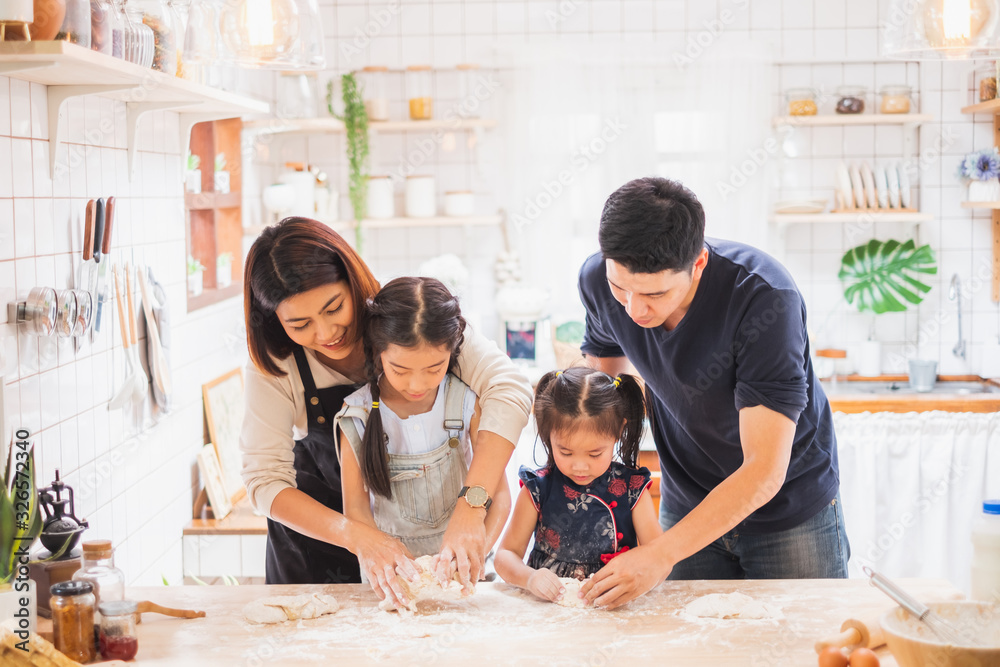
pixel 215 218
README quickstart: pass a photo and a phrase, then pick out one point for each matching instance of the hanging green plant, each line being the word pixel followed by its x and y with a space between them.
pixel 355 121
pixel 880 276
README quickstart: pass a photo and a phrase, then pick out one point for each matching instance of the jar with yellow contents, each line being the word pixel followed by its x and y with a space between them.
pixel 418 91
pixel 801 101
pixel 72 605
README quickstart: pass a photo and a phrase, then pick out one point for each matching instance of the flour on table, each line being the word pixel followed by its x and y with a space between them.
pixel 730 605
pixel 426 587
pixel 279 608
pixel 571 597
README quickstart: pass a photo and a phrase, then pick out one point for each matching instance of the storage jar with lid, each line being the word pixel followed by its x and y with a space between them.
pixel 116 15
pixel 72 605
pixel 801 101
pixel 851 99
pixel 895 99
pixel 139 38
pixel 986 74
pixel 469 104
pixel 986 554
pixel 118 638
pixel 420 197
pixel 375 86
pixel 381 199
pixel 76 24
pixel 418 92
pixel 459 203
pixel 100 26
pixel 98 568
pixel 157 16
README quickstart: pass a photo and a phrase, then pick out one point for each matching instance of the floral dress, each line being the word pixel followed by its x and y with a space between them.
pixel 580 528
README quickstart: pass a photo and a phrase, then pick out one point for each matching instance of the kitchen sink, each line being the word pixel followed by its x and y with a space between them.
pixel 842 387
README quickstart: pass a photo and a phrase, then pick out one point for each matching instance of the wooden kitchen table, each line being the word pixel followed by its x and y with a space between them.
pixel 503 625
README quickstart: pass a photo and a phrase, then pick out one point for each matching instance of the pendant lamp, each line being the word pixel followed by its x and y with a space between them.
pixel 942 30
pixel 273 34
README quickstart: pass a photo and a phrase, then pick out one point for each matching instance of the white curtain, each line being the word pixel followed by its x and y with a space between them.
pixel 912 485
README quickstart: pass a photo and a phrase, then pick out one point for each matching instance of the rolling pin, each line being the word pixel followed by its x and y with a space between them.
pixel 147 606
pixel 855 633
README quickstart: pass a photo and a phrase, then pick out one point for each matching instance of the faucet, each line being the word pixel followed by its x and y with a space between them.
pixel 955 294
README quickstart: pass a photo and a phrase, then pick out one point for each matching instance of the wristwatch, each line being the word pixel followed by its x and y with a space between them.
pixel 476 496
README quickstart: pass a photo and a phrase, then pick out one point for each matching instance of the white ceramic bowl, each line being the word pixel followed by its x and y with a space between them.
pixel 914 644
pixel 800 206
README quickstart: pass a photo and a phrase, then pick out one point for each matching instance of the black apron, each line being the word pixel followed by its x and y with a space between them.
pixel 293 558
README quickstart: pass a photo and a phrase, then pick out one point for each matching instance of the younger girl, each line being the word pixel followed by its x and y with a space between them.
pixel 583 507
pixel 408 436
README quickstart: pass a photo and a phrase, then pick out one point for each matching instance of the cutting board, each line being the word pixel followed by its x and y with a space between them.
pixel 503 625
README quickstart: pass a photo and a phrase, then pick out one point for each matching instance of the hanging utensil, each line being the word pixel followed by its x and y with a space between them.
pixel 102 267
pixel 141 382
pixel 127 390
pixel 158 366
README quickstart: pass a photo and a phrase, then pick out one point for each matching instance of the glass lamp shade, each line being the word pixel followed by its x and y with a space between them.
pixel 309 51
pixel 200 37
pixel 942 30
pixel 260 33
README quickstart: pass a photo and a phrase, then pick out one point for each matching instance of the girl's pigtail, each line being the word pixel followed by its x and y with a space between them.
pixel 374 458
pixel 629 392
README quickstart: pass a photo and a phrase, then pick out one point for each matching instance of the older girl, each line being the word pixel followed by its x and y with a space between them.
pixel 304 291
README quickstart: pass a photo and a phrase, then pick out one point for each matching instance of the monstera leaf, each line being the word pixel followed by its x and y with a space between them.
pixel 880 276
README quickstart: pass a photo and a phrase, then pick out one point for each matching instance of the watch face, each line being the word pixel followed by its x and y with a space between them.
pixel 477 496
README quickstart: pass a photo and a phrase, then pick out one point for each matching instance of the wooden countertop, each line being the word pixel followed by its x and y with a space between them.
pixel 854 403
pixel 503 625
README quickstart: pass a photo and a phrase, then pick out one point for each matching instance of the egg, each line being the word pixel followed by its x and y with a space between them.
pixel 862 657
pixel 832 657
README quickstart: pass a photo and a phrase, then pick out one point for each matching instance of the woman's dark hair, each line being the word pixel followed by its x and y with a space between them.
pixel 587 398
pixel 291 257
pixel 651 225
pixel 407 312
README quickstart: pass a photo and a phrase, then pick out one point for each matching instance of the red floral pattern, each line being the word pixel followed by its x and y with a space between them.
pixel 571 494
pixel 617 487
pixel 637 482
pixel 549 537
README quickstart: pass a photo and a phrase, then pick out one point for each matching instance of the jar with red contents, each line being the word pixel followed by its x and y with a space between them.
pixel 118 638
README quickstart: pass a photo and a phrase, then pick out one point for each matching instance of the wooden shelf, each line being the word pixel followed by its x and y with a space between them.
pixel 872 216
pixel 204 201
pixel 332 125
pixel 211 296
pixel 989 106
pixel 73 71
pixel 995 205
pixel 397 223
pixel 853 119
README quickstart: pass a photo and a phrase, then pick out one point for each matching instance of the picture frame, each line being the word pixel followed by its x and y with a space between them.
pixel 224 409
pixel 215 487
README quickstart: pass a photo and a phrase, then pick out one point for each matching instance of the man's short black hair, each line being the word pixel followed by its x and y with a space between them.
pixel 651 225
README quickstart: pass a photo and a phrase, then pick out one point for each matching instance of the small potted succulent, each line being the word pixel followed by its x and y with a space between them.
pixel 982 172
pixel 221 175
pixel 192 176
pixel 195 272
pixel 224 270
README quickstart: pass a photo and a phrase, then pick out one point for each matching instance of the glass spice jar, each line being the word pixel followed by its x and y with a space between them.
pixel 116 16
pixel 851 99
pixel 98 568
pixel 418 91
pixel 76 24
pixel 100 27
pixel 118 638
pixel 375 84
pixel 987 75
pixel 157 16
pixel 468 82
pixel 72 606
pixel 895 99
pixel 801 101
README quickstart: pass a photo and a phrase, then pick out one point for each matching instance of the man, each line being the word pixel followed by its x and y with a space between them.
pixel 744 432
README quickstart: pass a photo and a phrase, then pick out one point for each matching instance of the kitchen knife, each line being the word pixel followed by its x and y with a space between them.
pixel 83 276
pixel 102 265
pixel 98 241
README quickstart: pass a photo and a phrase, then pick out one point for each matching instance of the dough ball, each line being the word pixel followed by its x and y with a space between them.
pixel 730 605
pixel 571 597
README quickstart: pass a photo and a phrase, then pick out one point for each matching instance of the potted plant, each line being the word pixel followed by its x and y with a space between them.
pixel 20 525
pixel 195 269
pixel 884 277
pixel 221 175
pixel 192 178
pixel 981 170
pixel 224 270
pixel 355 121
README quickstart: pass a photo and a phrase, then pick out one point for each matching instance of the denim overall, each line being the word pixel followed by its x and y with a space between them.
pixel 425 487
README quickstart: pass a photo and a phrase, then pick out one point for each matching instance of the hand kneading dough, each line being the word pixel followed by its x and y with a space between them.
pixel 425 588
pixel 571 597
pixel 279 608
pixel 730 605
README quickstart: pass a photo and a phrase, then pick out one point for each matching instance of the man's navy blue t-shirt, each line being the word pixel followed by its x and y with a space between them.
pixel 742 343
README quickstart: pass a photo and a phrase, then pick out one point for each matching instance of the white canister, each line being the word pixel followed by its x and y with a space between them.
pixel 17 11
pixel 459 204
pixel 304 184
pixel 869 359
pixel 420 196
pixel 381 204
pixel 986 554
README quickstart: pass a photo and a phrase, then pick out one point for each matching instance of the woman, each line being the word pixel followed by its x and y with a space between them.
pixel 304 291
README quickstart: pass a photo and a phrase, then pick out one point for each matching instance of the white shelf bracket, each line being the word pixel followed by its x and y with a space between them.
pixel 57 95
pixel 136 110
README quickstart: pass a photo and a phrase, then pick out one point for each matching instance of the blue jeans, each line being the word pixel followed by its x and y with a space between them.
pixel 816 549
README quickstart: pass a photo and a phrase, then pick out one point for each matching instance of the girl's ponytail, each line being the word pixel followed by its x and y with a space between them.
pixel 629 393
pixel 374 458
